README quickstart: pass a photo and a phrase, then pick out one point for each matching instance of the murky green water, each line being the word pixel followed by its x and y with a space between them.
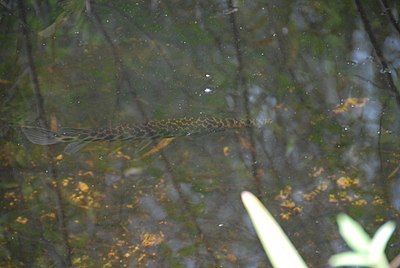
pixel 327 90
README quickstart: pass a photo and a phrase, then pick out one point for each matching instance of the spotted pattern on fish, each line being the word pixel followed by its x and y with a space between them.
pixel 167 128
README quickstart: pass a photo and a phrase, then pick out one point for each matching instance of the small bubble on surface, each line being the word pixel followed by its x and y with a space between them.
pixel 208 90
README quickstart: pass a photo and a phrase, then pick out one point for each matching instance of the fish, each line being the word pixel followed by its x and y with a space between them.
pixel 77 138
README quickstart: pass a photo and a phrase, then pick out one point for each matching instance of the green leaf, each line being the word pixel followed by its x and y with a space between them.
pixel 353 233
pixel 379 241
pixel 276 244
pixel 367 252
pixel 349 259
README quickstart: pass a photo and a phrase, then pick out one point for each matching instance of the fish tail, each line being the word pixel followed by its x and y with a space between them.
pixel 43 136
pixel 40 136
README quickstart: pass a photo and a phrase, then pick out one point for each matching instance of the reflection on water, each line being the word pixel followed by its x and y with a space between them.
pixel 312 71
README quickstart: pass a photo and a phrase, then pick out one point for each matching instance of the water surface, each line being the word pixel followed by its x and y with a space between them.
pixel 323 76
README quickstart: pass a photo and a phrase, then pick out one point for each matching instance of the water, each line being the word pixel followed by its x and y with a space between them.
pixel 330 144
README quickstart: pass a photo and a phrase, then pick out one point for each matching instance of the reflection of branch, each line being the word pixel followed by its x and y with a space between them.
pixel 117 58
pixel 380 154
pixel 34 224
pixel 10 12
pixel 31 66
pixel 155 43
pixel 41 116
pixel 389 79
pixel 368 81
pixel 241 80
pixel 124 73
pixel 186 208
pixel 161 51
pixel 378 51
pixel 389 14
pixel 11 92
pixel 8 97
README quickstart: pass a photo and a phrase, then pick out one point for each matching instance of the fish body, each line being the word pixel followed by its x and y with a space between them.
pixel 77 138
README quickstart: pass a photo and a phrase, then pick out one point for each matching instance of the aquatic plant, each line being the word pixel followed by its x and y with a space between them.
pixel 366 252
